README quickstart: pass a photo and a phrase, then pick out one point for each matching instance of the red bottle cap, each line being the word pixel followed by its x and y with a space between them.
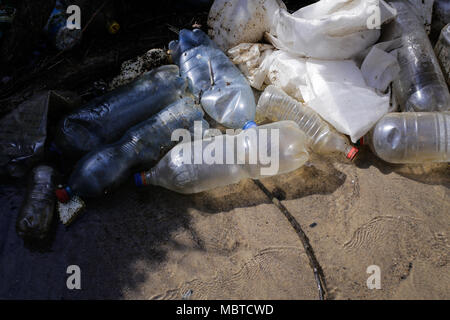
pixel 62 195
pixel 352 154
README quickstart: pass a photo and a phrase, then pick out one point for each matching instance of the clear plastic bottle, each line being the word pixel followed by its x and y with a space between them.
pixel 223 90
pixel 107 167
pixel 36 214
pixel 105 119
pixel 275 105
pixel 197 173
pixel 421 85
pixel 442 50
pixel 412 137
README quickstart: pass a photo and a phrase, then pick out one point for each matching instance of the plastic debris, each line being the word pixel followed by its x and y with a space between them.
pixel 23 133
pixel 105 119
pixel 106 168
pixel 132 69
pixel 233 22
pixel 421 85
pixel 442 51
pixel 7 15
pixel 223 91
pixel 330 29
pixel 335 89
pixel 380 68
pixel 70 210
pixel 36 214
pixel 276 105
pixel 188 177
pixel 412 137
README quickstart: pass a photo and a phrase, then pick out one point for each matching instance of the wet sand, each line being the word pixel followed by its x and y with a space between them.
pixel 233 243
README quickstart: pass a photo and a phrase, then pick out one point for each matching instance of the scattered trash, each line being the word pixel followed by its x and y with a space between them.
pixel 105 119
pixel 36 214
pixel 329 29
pixel 223 91
pixel 424 10
pixel 131 69
pixel 187 295
pixel 57 31
pixel 275 105
pixel 412 137
pixel 107 167
pixel 421 85
pixel 23 133
pixel 182 177
pixel 233 22
pixel 71 209
pixel 442 51
pixel 313 225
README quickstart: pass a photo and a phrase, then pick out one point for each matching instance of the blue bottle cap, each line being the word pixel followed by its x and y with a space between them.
pixel 249 124
pixel 138 180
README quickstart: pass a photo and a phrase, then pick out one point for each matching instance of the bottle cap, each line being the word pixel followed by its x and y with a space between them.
pixel 113 27
pixel 352 153
pixel 249 124
pixel 63 194
pixel 139 179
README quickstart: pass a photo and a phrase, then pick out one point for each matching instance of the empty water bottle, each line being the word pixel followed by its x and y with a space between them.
pixel 104 169
pixel 223 91
pixel 412 137
pixel 105 119
pixel 421 85
pixel 201 165
pixel 442 50
pixel 36 213
pixel 275 105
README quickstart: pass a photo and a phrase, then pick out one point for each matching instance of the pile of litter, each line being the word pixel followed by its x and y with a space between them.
pixel 319 80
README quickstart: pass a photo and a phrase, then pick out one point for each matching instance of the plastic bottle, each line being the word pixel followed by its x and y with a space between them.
pixel 224 92
pixel 275 105
pixel 105 119
pixel 412 137
pixel 442 50
pixel 104 169
pixel 421 85
pixel 36 213
pixel 188 177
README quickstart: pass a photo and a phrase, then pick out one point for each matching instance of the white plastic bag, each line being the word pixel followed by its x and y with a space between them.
pixel 330 29
pixel 232 22
pixel 334 89
pixel 341 97
pixel 380 68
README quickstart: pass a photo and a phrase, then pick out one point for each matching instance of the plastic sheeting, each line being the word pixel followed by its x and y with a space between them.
pixel 335 89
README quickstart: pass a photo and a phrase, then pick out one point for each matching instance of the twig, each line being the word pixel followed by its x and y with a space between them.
pixel 318 272
pixel 94 15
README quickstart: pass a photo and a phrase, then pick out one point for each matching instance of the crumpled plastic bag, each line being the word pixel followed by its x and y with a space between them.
pixel 380 68
pixel 335 89
pixel 233 22
pixel 23 131
pixel 330 29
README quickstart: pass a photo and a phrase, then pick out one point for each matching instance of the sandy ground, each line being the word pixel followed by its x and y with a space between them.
pixel 233 243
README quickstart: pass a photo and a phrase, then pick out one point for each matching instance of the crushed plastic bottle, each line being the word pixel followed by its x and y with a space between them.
pixel 106 168
pixel 224 92
pixel 442 51
pixel 36 213
pixel 105 119
pixel 412 137
pixel 421 85
pixel 188 177
pixel 276 105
